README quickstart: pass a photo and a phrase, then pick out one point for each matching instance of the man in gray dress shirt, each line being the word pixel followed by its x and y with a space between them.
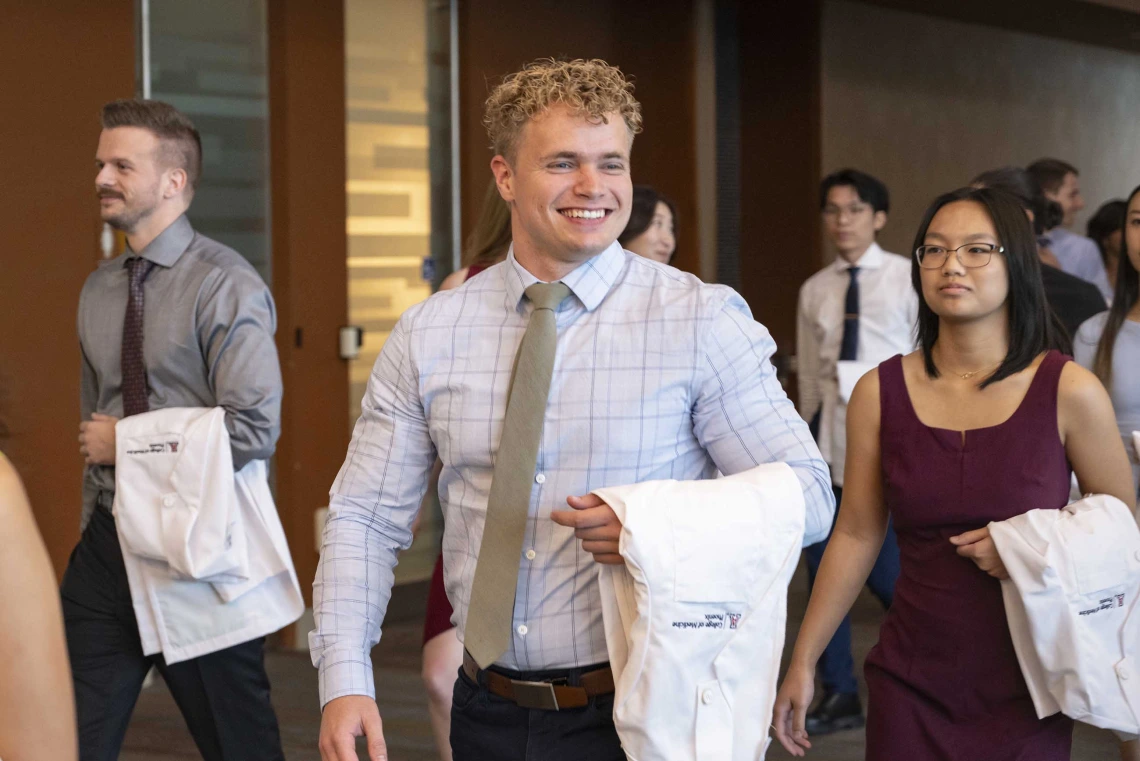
pixel 179 320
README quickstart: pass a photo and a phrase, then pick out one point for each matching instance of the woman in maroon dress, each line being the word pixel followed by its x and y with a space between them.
pixel 981 424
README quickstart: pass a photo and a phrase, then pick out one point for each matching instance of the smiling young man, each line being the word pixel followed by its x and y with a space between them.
pixel 571 366
pixel 178 320
pixel 860 310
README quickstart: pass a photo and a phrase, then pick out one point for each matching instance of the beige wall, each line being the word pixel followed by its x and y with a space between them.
pixel 925 104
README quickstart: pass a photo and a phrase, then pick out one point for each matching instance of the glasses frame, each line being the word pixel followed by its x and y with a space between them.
pixel 995 249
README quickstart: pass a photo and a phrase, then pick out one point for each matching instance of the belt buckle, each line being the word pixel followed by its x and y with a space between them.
pixel 535 695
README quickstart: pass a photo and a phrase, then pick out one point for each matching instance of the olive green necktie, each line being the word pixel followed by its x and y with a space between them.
pixel 491 610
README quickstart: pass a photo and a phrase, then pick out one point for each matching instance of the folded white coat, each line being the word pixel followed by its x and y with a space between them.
pixel 695 618
pixel 1071 603
pixel 206 556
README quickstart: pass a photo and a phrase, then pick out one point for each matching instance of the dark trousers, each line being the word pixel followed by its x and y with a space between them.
pixel 486 727
pixel 836 666
pixel 223 696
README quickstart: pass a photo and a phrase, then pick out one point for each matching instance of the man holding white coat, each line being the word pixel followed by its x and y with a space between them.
pixel 571 366
pixel 179 320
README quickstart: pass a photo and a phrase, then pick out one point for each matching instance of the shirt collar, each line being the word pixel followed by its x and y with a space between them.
pixel 589 282
pixel 871 259
pixel 170 244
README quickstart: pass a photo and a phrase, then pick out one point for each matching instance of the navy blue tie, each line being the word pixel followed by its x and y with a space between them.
pixel 850 345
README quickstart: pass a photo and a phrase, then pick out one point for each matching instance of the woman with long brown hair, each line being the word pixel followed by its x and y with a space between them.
pixel 1109 343
pixel 442 651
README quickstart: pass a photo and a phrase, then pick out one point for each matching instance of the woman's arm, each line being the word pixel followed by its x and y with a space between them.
pixel 37 711
pixel 851 552
pixel 1087 424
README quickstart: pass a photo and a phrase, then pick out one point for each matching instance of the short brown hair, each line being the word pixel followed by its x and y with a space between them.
pixel 592 88
pixel 181 144
pixel 1051 173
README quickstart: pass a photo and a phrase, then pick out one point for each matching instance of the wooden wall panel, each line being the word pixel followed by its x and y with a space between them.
pixel 307 170
pixel 61 61
pixel 780 150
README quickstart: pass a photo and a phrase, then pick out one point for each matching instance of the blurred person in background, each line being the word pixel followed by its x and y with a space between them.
pixel 37 707
pixel 1106 230
pixel 1109 343
pixel 652 228
pixel 1071 299
pixel 442 651
pixel 1061 183
pixel 859 310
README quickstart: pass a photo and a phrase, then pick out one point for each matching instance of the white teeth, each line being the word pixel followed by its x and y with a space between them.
pixel 585 213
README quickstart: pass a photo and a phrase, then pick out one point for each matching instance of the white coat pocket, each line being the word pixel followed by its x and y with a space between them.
pixel 716 553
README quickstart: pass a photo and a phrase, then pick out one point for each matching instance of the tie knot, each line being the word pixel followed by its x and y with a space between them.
pixel 547 295
pixel 139 268
pixel 853 271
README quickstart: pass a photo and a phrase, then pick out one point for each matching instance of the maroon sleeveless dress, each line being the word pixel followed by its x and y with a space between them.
pixel 944 681
pixel 437 617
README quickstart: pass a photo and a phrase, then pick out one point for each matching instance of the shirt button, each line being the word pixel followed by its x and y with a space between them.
pixel 522 630
pixel 1122 672
pixel 540 479
pixel 530 554
pixel 168 501
pixel 707 697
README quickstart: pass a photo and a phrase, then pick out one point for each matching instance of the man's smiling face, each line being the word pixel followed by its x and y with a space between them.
pixel 568 185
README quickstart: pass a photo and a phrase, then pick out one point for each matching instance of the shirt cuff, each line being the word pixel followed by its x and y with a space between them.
pixel 345 672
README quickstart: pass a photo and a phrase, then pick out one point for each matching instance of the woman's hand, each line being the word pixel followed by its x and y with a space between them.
pixel 791 708
pixel 979 546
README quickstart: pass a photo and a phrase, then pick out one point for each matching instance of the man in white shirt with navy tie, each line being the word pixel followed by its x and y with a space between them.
pixel 854 313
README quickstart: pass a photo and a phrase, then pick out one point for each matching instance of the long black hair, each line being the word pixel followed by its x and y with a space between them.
pixel 1108 219
pixel 1030 332
pixel 1123 299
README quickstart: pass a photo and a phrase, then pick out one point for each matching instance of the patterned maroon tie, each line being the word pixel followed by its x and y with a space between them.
pixel 133 367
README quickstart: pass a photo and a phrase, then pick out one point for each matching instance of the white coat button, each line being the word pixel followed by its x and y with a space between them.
pixel 540 479
pixel 1122 672
pixel 522 630
pixel 1137 555
pixel 168 501
pixel 530 554
pixel 707 697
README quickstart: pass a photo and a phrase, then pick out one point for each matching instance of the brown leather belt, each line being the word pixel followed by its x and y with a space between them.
pixel 548 696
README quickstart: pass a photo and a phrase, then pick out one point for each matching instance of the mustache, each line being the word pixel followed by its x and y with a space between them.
pixel 108 194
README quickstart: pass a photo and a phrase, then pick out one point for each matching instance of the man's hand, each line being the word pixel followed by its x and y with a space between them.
pixel 596 524
pixel 977 545
pixel 97 440
pixel 346 719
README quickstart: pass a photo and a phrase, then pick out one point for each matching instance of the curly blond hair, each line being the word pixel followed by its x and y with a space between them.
pixel 592 88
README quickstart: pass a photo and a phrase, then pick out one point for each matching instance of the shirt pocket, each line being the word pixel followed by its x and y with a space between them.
pixel 716 555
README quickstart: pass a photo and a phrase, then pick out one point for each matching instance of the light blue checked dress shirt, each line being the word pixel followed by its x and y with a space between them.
pixel 656 376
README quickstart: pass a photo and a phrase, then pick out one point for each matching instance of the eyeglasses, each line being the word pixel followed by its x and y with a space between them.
pixel 852 211
pixel 971 255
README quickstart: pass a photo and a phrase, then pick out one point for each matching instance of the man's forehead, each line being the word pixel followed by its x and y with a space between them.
pixel 128 139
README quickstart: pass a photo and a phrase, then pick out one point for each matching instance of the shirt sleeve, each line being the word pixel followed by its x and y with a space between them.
pixel 807 360
pixel 372 505
pixel 236 323
pixel 88 398
pixel 743 418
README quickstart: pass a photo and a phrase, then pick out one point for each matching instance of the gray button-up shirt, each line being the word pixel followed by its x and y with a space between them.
pixel 208 325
